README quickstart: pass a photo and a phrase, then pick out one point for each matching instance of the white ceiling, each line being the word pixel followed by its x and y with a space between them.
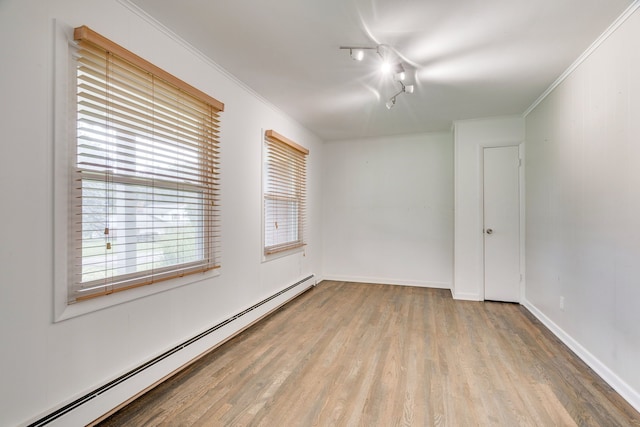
pixel 467 58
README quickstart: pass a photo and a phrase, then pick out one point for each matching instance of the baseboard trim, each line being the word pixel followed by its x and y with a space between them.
pixel 618 384
pixel 91 407
pixel 385 281
pixel 466 296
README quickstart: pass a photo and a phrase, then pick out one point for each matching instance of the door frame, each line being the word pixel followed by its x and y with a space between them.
pixel 521 189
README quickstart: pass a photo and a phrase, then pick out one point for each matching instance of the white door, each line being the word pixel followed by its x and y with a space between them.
pixel 502 224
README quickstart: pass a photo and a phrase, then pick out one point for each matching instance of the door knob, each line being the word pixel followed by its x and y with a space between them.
pixel 489 231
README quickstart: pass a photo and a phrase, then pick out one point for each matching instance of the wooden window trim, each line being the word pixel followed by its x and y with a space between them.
pixel 87 34
pixel 279 158
pixel 275 135
pixel 87 37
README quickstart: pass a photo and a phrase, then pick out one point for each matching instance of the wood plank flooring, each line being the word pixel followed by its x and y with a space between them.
pixel 347 354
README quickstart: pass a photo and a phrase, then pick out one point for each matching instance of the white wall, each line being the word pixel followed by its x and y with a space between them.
pixel 583 209
pixel 470 137
pixel 388 209
pixel 44 364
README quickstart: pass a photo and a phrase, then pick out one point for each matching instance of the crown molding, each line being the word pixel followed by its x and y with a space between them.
pixel 195 51
pixel 592 48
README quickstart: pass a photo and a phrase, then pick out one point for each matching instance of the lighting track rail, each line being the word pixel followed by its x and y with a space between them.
pixel 390 65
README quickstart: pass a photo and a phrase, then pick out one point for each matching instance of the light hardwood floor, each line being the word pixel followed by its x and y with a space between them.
pixel 347 354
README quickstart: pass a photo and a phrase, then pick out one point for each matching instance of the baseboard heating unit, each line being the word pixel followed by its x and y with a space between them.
pixel 302 285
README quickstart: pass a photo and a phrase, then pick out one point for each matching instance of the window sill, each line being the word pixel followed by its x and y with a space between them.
pixel 282 254
pixel 64 311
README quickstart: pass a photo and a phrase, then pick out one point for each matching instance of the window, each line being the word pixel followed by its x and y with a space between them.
pixel 285 171
pixel 144 189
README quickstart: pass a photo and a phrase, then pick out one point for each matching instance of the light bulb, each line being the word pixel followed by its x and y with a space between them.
pixel 385 67
pixel 408 88
pixel 400 76
pixel 390 103
pixel 357 54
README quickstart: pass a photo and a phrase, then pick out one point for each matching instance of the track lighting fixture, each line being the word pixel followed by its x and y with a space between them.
pixel 386 67
pixel 404 89
pixel 390 103
pixel 390 65
pixel 357 53
pixel 398 72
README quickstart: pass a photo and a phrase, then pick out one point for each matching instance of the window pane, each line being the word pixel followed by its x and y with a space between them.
pixel 130 228
pixel 281 221
pixel 284 190
pixel 145 192
pixel 144 155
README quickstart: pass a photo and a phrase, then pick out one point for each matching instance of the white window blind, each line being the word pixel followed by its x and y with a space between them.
pixel 285 176
pixel 145 180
